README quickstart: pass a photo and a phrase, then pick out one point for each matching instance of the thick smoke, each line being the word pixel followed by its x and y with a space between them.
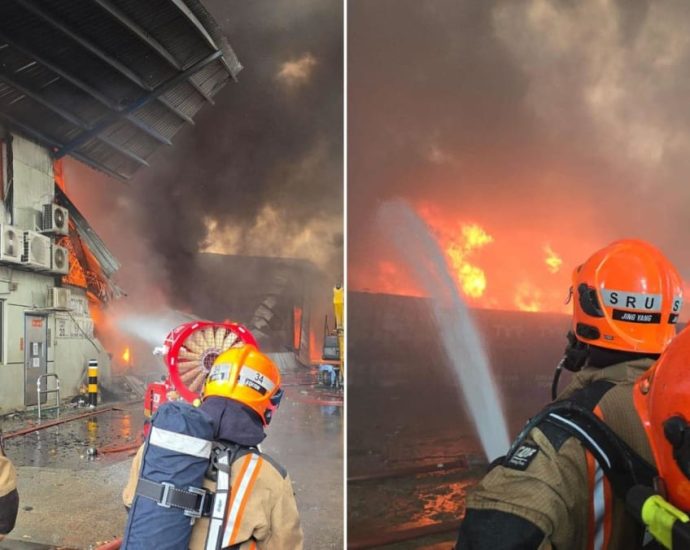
pixel 260 172
pixel 262 169
pixel 548 122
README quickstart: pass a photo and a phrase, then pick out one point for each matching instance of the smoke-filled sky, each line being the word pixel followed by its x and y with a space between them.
pixel 548 123
pixel 260 173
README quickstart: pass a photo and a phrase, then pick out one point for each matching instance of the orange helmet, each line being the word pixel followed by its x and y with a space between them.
pixel 627 297
pixel 246 375
pixel 662 400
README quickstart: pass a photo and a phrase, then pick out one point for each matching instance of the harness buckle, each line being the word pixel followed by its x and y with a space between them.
pixel 204 503
pixel 165 500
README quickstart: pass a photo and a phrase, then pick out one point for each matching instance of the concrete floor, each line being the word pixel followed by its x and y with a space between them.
pixel 69 500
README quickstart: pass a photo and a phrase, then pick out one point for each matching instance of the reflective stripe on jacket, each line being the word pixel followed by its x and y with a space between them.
pixel 262 512
pixel 561 490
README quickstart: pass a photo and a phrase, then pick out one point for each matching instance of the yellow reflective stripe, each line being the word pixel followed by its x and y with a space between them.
pixel 93 388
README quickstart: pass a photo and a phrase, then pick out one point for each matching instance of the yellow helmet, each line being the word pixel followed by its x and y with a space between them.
pixel 246 375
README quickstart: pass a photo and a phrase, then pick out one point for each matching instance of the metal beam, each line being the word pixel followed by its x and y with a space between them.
pixel 84 87
pixel 86 44
pixel 140 32
pixel 149 40
pixel 51 144
pixel 98 52
pixel 141 102
pixel 126 152
pixel 69 117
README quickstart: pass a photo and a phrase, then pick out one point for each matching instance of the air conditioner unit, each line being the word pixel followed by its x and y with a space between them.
pixel 58 298
pixel 59 262
pixel 55 219
pixel 11 244
pixel 36 251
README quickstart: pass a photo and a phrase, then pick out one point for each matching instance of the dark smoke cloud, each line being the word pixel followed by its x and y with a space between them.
pixel 545 120
pixel 263 167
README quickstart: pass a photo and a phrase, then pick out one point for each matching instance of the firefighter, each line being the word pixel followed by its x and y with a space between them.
pixel 662 402
pixel 550 490
pixel 9 498
pixel 240 396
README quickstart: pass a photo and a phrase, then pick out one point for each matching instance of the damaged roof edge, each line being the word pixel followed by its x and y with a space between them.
pixel 209 27
pixel 108 262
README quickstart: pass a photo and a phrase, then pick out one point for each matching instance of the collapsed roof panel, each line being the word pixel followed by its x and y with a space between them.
pixel 108 81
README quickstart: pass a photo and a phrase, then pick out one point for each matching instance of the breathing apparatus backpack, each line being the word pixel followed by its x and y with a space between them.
pixel 632 478
pixel 179 453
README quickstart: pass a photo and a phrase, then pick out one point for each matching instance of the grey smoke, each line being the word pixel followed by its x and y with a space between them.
pixel 549 118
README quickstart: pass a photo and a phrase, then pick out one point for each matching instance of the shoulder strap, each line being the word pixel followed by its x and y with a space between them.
pixel 222 458
pixel 623 467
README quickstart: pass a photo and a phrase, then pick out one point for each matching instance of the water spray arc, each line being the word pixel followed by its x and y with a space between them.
pixel 421 253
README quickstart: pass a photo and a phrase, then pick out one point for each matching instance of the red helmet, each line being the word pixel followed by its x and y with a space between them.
pixel 627 297
pixel 662 400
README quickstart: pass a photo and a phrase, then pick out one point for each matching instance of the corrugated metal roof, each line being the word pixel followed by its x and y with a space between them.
pixel 108 81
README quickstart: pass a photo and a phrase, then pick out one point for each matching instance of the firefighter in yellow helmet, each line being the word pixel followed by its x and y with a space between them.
pixel 241 395
pixel 562 483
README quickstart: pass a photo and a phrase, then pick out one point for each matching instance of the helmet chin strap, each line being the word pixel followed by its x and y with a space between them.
pixel 574 358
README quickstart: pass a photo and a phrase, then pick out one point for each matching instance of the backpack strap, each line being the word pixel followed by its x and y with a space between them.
pixel 222 459
pixel 196 502
pixel 623 467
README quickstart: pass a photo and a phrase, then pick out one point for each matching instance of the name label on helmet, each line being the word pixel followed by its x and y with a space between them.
pixel 255 380
pixel 636 301
pixel 636 317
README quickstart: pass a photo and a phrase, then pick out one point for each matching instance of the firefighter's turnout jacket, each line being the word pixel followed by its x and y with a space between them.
pixel 262 513
pixel 9 499
pixel 550 492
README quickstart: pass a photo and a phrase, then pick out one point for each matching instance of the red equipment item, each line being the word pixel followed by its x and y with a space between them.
pixel 189 352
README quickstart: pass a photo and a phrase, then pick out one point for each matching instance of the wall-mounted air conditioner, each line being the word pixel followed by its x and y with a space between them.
pixel 11 244
pixel 55 219
pixel 58 298
pixel 36 251
pixel 59 262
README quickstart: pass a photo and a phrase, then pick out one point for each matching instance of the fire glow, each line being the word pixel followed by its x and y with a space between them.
pixel 494 266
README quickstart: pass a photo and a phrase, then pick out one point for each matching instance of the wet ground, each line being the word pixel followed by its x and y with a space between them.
pixel 71 499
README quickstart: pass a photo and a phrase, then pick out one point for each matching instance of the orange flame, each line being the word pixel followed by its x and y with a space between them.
pixel 126 355
pixel 471 278
pixel 553 260
pixel 528 298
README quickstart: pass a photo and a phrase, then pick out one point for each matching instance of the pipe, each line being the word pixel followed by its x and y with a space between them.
pixel 112 545
pixel 119 448
pixel 52 423
pixel 401 535
pixel 412 470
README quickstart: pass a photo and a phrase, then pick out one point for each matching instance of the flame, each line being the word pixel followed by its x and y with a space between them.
pixel 126 355
pixel 553 260
pixel 471 278
pixel 528 298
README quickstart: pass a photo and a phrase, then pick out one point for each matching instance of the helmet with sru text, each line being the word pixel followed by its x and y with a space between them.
pixel 627 296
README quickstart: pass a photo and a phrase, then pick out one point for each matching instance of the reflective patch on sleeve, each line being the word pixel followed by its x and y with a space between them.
pixel 522 457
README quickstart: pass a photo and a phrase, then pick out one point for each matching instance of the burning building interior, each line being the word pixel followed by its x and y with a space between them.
pixel 146 183
pixel 525 136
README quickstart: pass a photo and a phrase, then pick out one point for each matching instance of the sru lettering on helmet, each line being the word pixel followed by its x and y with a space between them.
pixel 635 301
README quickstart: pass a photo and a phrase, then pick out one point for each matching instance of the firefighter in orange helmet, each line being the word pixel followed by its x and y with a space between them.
pixel 241 394
pixel 562 484
pixel 662 401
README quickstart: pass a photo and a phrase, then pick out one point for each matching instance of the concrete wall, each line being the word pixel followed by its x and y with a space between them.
pixel 70 333
pixel 70 336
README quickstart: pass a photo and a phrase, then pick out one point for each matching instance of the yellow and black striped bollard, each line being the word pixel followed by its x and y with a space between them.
pixel 93 383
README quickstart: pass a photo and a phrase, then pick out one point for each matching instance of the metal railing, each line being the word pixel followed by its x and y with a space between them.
pixel 40 392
